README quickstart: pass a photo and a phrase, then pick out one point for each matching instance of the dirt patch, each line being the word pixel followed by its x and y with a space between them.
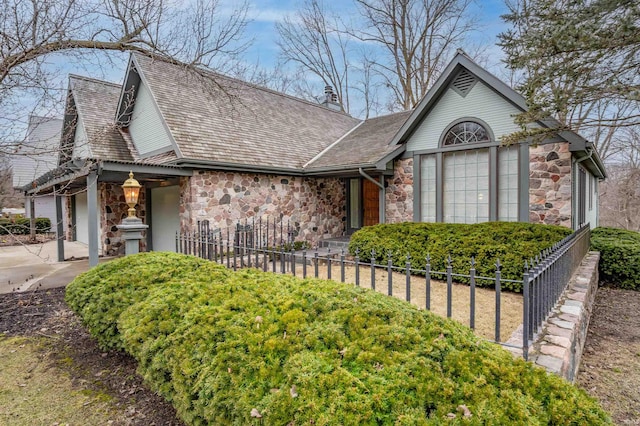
pixel 69 346
pixel 610 366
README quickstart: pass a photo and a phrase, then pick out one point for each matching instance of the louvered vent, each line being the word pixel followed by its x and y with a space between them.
pixel 463 82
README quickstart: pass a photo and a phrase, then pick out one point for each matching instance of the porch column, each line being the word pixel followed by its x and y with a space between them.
pixel 32 217
pixel 59 224
pixel 92 219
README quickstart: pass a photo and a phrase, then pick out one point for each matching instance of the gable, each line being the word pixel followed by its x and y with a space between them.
pixel 80 142
pixel 146 126
pixel 478 102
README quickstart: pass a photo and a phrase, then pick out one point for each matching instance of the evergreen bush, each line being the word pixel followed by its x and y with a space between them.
pixel 510 242
pixel 250 347
pixel 619 256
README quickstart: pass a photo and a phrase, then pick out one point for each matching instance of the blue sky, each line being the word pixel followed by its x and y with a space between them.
pixel 265 13
pixel 264 50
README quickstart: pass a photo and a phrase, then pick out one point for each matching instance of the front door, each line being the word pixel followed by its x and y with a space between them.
pixel 363 204
pixel 371 203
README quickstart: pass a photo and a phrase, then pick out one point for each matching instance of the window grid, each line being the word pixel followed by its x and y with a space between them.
pixel 466 132
pixel 428 188
pixel 508 184
pixel 466 186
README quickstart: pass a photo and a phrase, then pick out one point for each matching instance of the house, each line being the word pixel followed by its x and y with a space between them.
pixel 35 156
pixel 208 147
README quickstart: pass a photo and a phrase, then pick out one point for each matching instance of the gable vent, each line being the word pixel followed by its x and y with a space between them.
pixel 463 82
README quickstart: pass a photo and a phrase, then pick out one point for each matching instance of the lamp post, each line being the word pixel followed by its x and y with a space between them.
pixel 131 226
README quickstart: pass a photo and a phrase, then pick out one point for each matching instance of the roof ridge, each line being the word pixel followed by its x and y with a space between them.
pixel 247 83
pixel 93 80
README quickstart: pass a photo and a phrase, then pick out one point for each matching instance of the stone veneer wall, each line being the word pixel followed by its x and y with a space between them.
pixel 559 346
pixel 399 192
pixel 315 207
pixel 113 209
pixel 550 184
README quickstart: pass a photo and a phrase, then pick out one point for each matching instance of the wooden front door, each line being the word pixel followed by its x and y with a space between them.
pixel 371 203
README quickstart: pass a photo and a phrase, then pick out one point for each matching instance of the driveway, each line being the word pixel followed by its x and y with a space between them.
pixel 35 266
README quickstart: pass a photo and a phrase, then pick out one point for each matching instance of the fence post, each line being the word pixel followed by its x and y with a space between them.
pixel 328 263
pixel 498 289
pixel 449 285
pixel 316 262
pixel 373 269
pixel 408 281
pixel 389 273
pixel 357 265
pixel 472 294
pixel 525 312
pixel 342 265
pixel 428 283
pixel 304 263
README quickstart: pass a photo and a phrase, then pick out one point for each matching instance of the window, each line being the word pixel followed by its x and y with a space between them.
pixel 466 186
pixel 508 184
pixel 428 188
pixel 466 132
pixel 476 183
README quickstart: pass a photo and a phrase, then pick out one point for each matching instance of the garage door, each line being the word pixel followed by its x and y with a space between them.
pixel 165 217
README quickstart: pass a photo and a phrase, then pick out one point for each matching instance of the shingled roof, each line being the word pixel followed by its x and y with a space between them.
pixel 96 102
pixel 217 119
pixel 363 146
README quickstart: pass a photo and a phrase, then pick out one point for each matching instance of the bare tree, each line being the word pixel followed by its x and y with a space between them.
pixel 417 37
pixel 35 33
pixel 316 42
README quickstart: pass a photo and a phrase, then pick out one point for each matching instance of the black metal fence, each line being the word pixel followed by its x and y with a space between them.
pixel 545 279
pixel 270 246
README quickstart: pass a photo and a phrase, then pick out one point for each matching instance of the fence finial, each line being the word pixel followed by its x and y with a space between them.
pixel 449 260
pixel 428 258
pixel 473 262
pixel 498 265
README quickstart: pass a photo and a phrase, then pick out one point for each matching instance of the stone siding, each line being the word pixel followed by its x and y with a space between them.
pixel 559 346
pixel 550 184
pixel 315 207
pixel 113 209
pixel 399 192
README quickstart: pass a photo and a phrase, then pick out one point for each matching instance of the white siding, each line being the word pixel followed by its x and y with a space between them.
pixel 147 129
pixel 45 206
pixel 82 219
pixel 80 144
pixel 481 102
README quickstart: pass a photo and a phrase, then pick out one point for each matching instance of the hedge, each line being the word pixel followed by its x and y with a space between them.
pixel 249 347
pixel 619 256
pixel 21 225
pixel 510 242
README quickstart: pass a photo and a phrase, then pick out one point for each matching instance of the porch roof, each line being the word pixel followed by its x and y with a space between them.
pixel 365 145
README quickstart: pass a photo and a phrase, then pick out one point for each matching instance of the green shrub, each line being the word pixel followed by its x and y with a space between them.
pixel 221 345
pixel 619 256
pixel 101 294
pixel 510 242
pixel 21 225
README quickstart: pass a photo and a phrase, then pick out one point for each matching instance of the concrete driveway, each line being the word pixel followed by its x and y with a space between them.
pixel 34 266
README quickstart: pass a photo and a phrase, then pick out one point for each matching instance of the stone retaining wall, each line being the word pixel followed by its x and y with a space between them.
pixel 560 344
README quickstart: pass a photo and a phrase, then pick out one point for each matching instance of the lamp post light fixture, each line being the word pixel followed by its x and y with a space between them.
pixel 131 188
pixel 131 226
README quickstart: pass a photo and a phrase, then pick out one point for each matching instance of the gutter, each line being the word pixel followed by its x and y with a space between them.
pixel 383 204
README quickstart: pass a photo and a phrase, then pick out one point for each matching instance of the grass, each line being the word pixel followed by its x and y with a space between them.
pixel 35 392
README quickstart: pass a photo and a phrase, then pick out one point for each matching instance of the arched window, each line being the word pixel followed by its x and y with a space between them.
pixel 466 132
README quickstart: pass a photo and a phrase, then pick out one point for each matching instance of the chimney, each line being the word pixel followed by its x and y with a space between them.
pixel 331 99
